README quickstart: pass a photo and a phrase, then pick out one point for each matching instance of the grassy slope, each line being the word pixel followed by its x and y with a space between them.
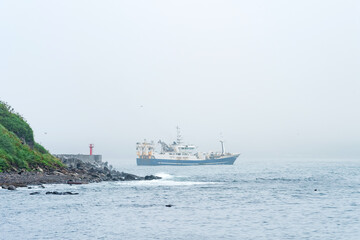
pixel 18 150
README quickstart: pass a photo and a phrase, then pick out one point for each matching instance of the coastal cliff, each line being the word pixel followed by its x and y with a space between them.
pixel 18 149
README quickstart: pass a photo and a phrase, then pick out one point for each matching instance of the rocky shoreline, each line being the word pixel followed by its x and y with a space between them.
pixel 75 172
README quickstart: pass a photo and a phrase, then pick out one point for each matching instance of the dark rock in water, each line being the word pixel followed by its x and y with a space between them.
pixel 130 177
pixel 151 177
pixel 61 193
pixel 34 193
pixel 169 205
pixel 55 193
pixel 42 186
pixel 5 186
pixel 29 187
pixel 11 187
pixel 69 193
pixel 315 190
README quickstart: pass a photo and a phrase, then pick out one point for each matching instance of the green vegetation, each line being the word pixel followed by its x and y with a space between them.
pixel 18 150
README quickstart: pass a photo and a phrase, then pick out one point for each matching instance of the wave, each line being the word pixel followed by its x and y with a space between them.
pixel 309 179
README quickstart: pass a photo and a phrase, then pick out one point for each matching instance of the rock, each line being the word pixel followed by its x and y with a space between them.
pixel 5 186
pixel 69 193
pixel 151 177
pixel 61 193
pixel 169 205
pixel 58 173
pixel 70 181
pixel 11 187
pixel 20 185
pixel 130 177
pixel 34 193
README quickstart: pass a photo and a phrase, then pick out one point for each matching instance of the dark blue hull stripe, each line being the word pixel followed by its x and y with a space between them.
pixel 170 162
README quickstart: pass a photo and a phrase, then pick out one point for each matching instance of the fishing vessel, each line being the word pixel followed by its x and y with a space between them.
pixel 180 154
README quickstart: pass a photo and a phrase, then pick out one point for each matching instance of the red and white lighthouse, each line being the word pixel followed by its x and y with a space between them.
pixel 91 148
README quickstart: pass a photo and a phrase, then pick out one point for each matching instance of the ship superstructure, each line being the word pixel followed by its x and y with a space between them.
pixel 180 154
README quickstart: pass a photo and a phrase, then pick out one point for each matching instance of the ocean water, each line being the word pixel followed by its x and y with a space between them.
pixel 253 199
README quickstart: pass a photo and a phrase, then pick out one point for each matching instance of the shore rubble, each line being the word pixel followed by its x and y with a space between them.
pixel 78 172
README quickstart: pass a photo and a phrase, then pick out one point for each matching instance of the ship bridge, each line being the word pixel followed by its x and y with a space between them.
pixel 185 148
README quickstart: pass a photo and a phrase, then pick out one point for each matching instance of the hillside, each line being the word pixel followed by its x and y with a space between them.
pixel 18 150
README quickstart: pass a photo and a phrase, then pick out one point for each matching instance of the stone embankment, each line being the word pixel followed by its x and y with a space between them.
pixel 76 172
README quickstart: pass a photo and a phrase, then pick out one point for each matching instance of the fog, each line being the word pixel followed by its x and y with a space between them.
pixel 274 79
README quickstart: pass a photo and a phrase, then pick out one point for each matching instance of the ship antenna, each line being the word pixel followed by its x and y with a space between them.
pixel 178 138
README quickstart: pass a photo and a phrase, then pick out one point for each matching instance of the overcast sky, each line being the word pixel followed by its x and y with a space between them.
pixel 274 78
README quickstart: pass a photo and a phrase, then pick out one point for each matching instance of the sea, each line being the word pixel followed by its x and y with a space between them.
pixel 252 199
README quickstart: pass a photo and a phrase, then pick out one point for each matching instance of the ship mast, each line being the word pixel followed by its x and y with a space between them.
pixel 178 138
pixel 222 147
pixel 222 144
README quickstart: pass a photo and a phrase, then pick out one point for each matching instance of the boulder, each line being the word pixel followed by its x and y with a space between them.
pixel 34 193
pixel 11 187
pixel 130 177
pixel 151 177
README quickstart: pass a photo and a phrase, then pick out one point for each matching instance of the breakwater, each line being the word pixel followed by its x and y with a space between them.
pixel 95 159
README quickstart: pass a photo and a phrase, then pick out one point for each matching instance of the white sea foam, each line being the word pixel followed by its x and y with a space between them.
pixel 166 180
pixel 164 175
pixel 163 183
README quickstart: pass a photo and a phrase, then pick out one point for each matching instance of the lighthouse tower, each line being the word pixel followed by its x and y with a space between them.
pixel 91 148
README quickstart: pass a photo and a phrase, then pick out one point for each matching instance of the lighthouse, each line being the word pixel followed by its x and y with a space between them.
pixel 91 148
